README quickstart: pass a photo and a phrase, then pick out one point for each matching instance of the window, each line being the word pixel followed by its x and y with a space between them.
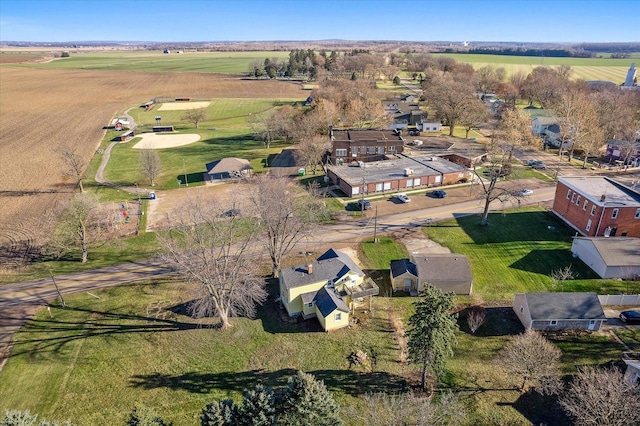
pixel 387 186
pixel 573 197
pixel 521 309
pixel 568 194
pixel 355 190
pixel 554 322
pixel 363 150
pixel 588 228
pixel 310 305
pixel 381 150
pixel 409 183
pixel 637 216
pixel 416 182
pixel 372 150
pixel 614 214
pixel 593 210
pixel 378 187
pixel 578 201
pixel 392 148
pixel 341 152
pixel 584 206
pixel 338 316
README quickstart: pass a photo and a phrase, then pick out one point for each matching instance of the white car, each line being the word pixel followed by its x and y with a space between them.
pixel 403 197
pixel 526 192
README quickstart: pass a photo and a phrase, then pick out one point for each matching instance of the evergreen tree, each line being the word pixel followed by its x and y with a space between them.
pixel 219 413
pixel 354 76
pixel 432 331
pixel 258 408
pixel 306 401
pixel 143 416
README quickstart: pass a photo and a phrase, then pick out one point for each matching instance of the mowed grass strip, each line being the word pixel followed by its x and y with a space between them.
pixel 208 62
pixel 95 360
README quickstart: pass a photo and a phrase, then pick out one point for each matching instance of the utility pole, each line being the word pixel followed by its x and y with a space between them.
pixel 186 181
pixel 64 305
pixel 139 208
pixel 375 226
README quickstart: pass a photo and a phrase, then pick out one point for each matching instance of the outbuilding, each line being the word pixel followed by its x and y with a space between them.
pixel 559 311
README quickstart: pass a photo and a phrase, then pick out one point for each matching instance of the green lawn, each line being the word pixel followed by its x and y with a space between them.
pixel 95 360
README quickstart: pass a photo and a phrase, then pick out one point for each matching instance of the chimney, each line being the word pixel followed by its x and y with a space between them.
pixel 603 197
pixel 310 269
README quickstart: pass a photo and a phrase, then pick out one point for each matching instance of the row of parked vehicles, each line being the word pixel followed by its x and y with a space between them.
pixel 363 204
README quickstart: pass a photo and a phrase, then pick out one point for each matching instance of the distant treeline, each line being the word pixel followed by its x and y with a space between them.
pixel 610 47
pixel 549 53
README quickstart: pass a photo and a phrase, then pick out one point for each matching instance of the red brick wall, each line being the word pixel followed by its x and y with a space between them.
pixel 573 213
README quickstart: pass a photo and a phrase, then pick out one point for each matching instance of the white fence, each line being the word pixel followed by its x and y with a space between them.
pixel 620 300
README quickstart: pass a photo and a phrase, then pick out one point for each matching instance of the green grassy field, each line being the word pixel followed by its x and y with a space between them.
pixel 95 360
pixel 215 62
pixel 225 133
pixel 585 68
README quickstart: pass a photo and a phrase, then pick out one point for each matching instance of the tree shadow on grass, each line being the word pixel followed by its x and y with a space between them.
pixel 499 321
pixel 351 382
pixel 541 409
pixel 51 335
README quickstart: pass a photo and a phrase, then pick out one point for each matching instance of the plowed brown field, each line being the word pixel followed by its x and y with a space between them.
pixel 41 110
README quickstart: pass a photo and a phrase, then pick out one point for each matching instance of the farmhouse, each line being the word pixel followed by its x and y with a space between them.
pixel 448 272
pixel 609 257
pixel 559 311
pixel 227 168
pixel 400 173
pixel 328 289
pixel 363 145
pixel 597 206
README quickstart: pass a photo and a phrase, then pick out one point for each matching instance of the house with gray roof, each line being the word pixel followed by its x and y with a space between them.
pixel 449 272
pixel 609 257
pixel 227 168
pixel 559 311
pixel 328 289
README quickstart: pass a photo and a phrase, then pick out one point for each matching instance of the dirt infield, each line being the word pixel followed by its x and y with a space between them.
pixel 163 140
pixel 43 110
pixel 177 106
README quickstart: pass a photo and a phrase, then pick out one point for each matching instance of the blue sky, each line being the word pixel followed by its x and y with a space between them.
pixel 259 20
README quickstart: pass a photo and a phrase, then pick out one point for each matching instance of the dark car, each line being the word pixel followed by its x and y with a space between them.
pixel 439 193
pixel 231 213
pixel 630 317
pixel 363 203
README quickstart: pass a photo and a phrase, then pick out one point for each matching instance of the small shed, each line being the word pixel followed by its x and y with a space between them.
pixel 125 136
pixel 559 311
pixel 617 257
pixel 227 168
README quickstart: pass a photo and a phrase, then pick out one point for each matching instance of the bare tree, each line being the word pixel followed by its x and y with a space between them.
pixel 534 359
pixel 561 275
pixel 601 396
pixel 74 164
pixel 449 97
pixel 79 226
pixel 286 215
pixel 382 409
pixel 476 317
pixel 475 114
pixel 150 164
pixel 214 251
pixel 311 151
pixel 195 116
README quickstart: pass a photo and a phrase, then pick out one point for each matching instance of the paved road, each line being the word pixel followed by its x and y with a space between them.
pixel 19 300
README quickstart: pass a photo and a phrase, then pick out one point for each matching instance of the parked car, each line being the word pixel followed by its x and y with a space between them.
pixel 231 213
pixel 630 317
pixel 439 193
pixel 403 197
pixel 525 192
pixel 363 204
pixel 532 162
pixel 539 165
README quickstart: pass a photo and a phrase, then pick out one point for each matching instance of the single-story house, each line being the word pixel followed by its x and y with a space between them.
pixel 329 289
pixel 398 173
pixel 609 257
pixel 449 272
pixel 429 126
pixel 227 168
pixel 559 311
